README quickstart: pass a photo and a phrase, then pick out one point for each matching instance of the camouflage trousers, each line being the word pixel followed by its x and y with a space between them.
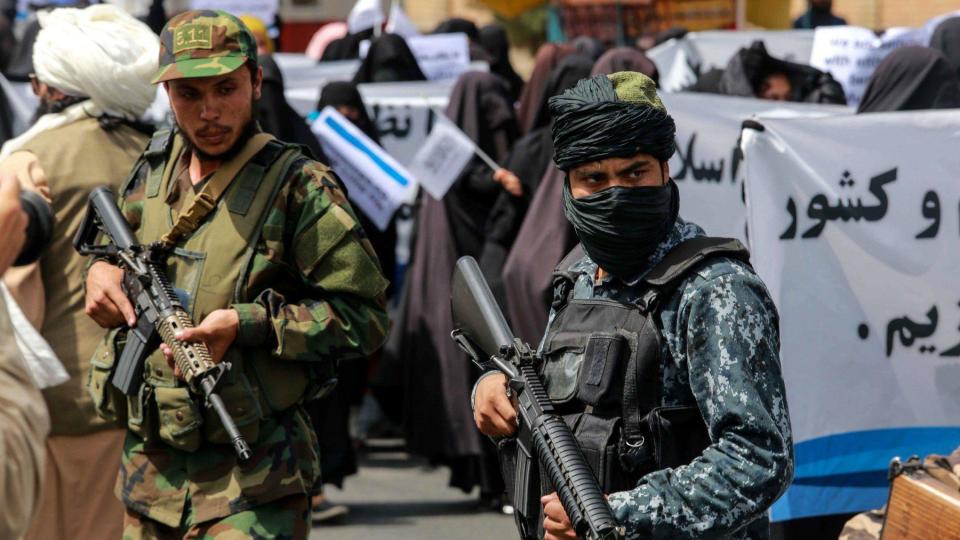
pixel 283 519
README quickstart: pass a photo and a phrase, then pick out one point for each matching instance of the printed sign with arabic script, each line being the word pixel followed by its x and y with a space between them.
pixel 855 233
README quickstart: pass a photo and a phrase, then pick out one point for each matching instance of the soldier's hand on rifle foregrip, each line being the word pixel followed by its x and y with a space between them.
pixel 556 524
pixel 494 412
pixel 217 331
pixel 106 303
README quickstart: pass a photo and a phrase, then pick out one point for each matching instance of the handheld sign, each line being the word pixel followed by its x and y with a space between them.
pixel 375 182
pixel 441 159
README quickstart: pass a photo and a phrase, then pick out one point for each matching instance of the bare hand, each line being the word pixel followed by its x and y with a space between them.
pixel 494 413
pixel 25 166
pixel 217 331
pixel 107 304
pixel 509 181
pixel 13 222
pixel 556 524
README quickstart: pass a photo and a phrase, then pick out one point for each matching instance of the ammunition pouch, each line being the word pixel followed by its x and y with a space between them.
pixel 108 401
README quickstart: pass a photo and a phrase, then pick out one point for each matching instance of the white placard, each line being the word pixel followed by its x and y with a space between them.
pixel 854 230
pixel 851 54
pixel 265 10
pixel 365 14
pixel 440 56
pixel 707 165
pixel 375 181
pixel 441 159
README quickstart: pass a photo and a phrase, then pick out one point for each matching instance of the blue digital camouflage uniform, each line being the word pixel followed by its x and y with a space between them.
pixel 721 330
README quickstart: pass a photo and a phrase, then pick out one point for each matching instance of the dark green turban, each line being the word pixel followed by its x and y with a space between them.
pixel 616 115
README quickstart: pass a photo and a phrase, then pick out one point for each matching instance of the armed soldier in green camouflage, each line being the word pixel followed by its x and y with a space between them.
pixel 269 260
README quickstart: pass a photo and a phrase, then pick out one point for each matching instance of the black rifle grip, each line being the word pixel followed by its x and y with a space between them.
pixel 141 341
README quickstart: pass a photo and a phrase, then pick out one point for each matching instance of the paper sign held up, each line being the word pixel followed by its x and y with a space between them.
pixel 442 158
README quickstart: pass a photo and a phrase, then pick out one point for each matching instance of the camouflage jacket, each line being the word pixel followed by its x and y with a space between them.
pixel 721 334
pixel 316 299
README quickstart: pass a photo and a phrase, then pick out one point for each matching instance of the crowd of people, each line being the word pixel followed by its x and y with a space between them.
pixel 295 287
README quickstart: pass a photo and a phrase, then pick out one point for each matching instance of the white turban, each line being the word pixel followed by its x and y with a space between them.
pixel 99 52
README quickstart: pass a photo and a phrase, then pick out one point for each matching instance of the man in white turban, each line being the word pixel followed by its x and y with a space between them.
pixel 92 71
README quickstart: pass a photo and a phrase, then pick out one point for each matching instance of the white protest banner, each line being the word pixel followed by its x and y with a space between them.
pixel 678 60
pixel 265 10
pixel 707 165
pixel 441 159
pixel 853 228
pixel 375 181
pixel 851 54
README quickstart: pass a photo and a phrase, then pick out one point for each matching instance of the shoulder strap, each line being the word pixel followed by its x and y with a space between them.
pixel 204 202
pixel 564 279
pixel 665 276
pixel 155 156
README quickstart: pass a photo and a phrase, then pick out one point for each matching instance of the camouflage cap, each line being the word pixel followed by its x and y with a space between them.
pixel 203 43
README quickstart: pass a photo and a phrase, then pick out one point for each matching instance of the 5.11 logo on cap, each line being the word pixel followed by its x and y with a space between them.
pixel 192 36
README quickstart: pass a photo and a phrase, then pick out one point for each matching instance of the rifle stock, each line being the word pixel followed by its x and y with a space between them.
pixel 482 331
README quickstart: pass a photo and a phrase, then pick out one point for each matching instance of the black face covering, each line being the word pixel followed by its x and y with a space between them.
pixel 621 227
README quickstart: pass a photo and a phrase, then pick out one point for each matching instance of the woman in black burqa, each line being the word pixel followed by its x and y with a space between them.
pixel 438 377
pixel 524 168
pixel 493 38
pixel 389 60
pixel 912 78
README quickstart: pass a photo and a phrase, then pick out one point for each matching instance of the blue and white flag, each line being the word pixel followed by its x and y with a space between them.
pixel 375 182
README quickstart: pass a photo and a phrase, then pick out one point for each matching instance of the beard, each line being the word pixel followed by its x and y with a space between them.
pixel 249 130
pixel 53 106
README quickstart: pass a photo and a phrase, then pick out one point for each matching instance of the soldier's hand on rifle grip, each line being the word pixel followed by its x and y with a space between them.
pixel 218 331
pixel 556 524
pixel 494 412
pixel 106 302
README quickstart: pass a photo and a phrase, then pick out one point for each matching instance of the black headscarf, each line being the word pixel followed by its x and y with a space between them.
pixel 493 38
pixel 748 68
pixel 275 115
pixel 946 39
pixel 345 48
pixel 912 78
pixel 457 25
pixel 339 93
pixel 389 60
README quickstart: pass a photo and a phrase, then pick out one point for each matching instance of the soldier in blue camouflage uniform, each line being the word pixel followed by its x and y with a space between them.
pixel 720 346
pixel 278 276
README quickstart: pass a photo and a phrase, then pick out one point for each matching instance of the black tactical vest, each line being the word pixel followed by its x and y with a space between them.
pixel 601 366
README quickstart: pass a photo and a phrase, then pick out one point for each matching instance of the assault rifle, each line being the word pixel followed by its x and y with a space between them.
pixel 482 331
pixel 160 314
